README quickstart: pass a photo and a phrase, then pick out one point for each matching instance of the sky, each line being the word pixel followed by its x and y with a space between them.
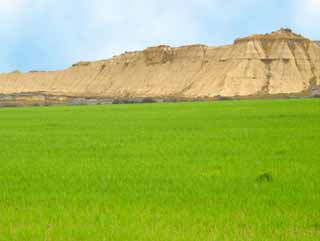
pixel 54 34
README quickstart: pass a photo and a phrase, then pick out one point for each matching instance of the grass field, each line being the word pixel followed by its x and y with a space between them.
pixel 223 171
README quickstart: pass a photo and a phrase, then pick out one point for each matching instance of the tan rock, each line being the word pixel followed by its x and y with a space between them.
pixel 278 63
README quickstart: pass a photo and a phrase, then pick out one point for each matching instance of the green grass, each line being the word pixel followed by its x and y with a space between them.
pixel 224 171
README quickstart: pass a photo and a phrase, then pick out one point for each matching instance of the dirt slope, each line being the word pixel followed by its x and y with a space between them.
pixel 278 63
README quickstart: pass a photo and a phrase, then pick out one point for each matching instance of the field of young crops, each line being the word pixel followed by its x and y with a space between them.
pixel 219 171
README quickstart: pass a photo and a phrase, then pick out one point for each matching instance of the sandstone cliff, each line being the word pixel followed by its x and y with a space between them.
pixel 278 63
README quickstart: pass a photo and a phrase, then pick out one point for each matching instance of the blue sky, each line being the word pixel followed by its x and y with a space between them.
pixel 53 34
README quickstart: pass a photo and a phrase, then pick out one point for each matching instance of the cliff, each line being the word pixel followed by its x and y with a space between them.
pixel 278 63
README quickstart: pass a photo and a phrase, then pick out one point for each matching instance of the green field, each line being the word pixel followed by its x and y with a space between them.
pixel 220 171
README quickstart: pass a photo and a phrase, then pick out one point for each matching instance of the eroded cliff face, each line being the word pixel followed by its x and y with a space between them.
pixel 278 63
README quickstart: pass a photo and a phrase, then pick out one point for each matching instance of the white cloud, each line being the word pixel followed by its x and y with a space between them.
pixel 117 26
pixel 10 8
pixel 56 33
pixel 306 16
pixel 129 25
pixel 98 29
pixel 10 11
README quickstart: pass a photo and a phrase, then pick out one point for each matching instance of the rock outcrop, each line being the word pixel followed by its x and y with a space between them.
pixel 280 63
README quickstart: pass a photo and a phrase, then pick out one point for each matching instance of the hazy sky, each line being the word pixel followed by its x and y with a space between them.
pixel 53 34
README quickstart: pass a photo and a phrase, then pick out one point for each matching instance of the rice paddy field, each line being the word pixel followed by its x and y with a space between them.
pixel 211 171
